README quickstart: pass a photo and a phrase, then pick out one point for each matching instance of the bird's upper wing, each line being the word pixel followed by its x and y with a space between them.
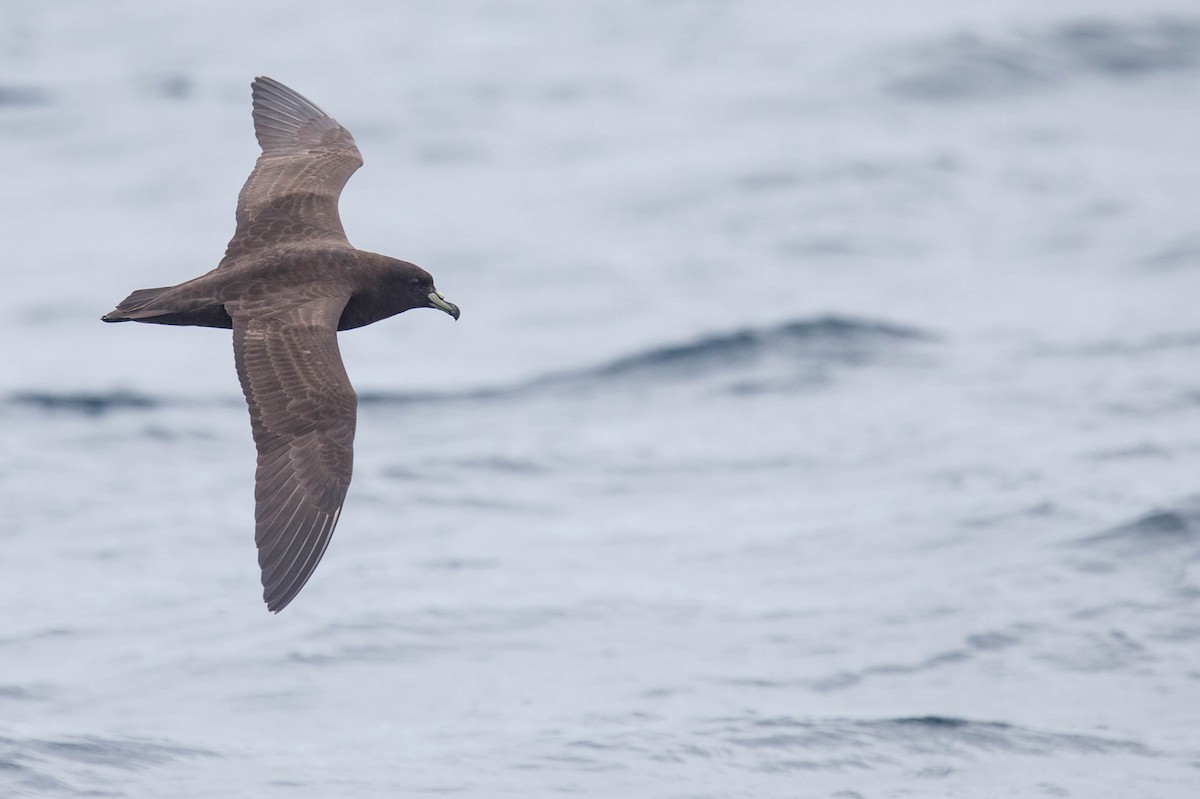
pixel 302 412
pixel 292 194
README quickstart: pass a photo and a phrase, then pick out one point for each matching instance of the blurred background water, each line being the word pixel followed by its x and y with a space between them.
pixel 824 417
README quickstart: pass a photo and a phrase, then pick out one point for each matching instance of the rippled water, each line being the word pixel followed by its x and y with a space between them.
pixel 823 420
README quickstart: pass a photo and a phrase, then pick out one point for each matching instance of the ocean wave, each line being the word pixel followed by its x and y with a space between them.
pixel 88 403
pixel 831 339
pixel 1173 530
pixel 925 734
pixel 50 765
pixel 746 361
pixel 1164 542
pixel 749 360
pixel 970 66
pixel 776 744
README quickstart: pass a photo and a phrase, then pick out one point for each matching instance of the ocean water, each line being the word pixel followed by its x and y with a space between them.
pixel 823 419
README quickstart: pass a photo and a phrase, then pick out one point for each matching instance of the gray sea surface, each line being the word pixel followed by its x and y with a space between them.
pixel 823 419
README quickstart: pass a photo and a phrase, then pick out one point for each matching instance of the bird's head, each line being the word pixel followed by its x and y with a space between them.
pixel 417 284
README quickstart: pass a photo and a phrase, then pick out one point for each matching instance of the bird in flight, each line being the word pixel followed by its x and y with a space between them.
pixel 289 281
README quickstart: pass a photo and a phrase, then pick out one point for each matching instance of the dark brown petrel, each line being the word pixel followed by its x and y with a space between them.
pixel 288 282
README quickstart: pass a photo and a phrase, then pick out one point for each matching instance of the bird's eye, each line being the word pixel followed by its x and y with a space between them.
pixel 416 281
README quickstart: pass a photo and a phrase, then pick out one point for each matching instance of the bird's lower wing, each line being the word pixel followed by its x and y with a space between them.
pixel 302 412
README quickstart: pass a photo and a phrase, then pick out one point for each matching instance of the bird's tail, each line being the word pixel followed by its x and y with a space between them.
pixel 138 305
